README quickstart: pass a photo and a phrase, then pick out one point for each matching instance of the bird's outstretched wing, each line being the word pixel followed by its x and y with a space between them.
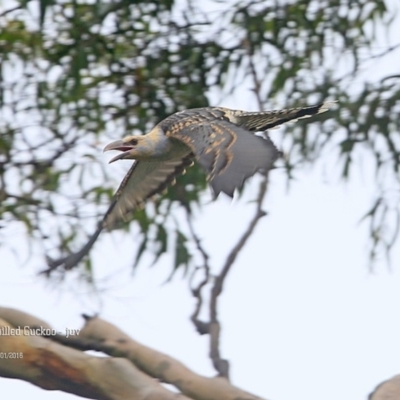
pixel 144 180
pixel 230 154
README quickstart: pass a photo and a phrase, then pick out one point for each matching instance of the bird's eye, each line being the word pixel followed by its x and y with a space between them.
pixel 133 142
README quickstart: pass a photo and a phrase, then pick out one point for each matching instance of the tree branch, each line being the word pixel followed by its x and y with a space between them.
pixel 56 362
pixel 53 366
pixel 10 10
pixel 201 326
pixel 387 390
pixel 220 364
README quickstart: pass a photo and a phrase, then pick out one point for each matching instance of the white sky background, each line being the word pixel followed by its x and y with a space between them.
pixel 302 316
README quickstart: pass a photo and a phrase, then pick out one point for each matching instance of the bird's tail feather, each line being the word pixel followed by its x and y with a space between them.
pixel 264 120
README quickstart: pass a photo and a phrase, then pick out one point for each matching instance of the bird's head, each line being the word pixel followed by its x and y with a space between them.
pixel 132 147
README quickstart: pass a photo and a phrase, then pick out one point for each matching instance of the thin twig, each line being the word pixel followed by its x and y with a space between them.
pixel 10 10
pixel 222 365
pixel 385 52
pixel 256 81
pixel 201 326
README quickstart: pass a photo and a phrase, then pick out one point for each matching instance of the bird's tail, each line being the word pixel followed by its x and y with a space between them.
pixel 264 120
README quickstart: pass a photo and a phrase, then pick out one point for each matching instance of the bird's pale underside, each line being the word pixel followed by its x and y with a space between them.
pixel 221 140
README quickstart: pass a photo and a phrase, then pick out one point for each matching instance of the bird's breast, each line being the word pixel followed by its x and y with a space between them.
pixel 166 148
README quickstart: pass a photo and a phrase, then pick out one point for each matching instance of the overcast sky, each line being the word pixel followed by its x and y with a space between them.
pixel 302 315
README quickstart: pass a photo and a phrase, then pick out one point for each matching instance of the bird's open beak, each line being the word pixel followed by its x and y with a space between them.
pixel 121 146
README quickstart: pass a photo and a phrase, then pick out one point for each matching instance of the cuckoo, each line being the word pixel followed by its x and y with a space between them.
pixel 221 140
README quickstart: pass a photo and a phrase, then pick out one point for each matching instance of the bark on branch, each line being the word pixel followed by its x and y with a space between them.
pixel 132 370
pixel 387 390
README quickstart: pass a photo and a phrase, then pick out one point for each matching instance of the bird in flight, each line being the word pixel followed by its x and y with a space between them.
pixel 221 140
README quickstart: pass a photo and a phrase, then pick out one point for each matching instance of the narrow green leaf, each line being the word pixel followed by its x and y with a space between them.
pixel 141 250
